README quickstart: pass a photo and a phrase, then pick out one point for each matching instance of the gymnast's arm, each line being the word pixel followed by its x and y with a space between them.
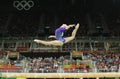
pixel 71 25
pixel 52 36
pixel 67 26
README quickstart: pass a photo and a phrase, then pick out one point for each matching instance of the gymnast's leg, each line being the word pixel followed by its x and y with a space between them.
pixel 68 39
pixel 49 43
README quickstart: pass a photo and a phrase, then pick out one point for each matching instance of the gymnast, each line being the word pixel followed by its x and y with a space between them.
pixel 60 40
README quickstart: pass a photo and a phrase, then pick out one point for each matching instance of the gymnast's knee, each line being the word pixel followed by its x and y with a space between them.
pixel 73 37
pixel 59 44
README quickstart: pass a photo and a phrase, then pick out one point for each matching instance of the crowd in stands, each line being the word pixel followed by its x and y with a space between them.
pixel 105 62
pixel 9 65
pixel 43 65
pixel 98 62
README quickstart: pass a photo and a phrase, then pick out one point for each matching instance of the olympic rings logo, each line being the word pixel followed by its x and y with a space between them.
pixel 23 5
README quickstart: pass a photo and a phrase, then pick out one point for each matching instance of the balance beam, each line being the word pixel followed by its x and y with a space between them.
pixel 61 75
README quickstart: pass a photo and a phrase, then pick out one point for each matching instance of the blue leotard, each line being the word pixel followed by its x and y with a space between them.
pixel 59 34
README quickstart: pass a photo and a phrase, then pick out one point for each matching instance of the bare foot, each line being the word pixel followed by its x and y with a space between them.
pixel 77 26
pixel 36 40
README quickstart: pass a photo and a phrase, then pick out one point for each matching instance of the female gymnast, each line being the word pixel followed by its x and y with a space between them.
pixel 60 40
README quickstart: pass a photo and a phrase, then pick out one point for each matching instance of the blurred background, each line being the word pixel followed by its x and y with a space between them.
pixel 96 47
pixel 96 17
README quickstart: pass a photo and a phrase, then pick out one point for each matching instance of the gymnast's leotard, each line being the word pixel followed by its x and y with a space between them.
pixel 59 34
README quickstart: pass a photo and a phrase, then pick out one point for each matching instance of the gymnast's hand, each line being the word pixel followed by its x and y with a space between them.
pixel 71 25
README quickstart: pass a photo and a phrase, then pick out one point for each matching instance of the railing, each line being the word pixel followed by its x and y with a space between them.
pixel 74 46
pixel 45 38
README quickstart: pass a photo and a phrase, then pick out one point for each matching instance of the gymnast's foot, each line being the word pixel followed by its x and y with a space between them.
pixel 77 26
pixel 36 40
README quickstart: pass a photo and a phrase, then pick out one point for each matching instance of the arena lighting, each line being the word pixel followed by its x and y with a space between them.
pixel 61 75
pixel 23 5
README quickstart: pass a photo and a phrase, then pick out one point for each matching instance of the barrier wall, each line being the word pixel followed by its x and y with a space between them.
pixel 44 54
